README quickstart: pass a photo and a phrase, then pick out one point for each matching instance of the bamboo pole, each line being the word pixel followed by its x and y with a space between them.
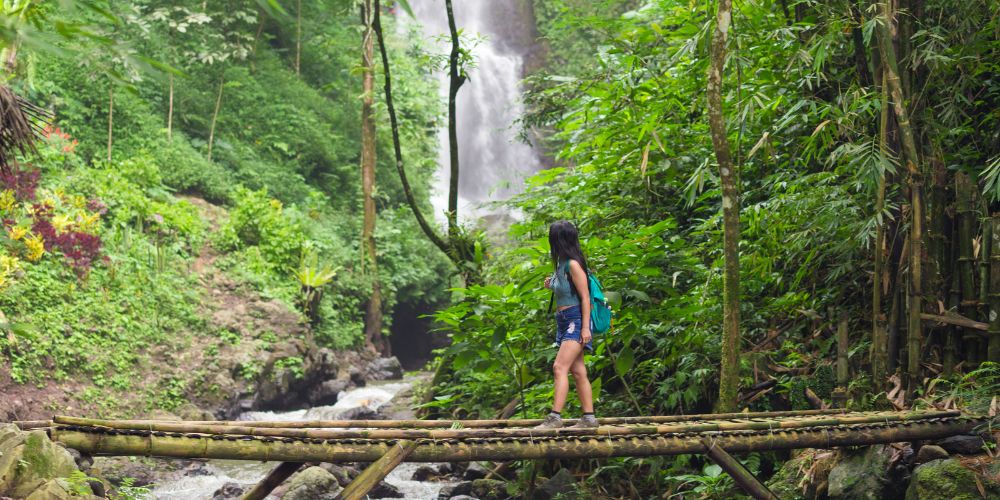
pixel 471 424
pixel 604 430
pixel 741 476
pixel 842 348
pixel 966 213
pixel 898 92
pixel 993 350
pixel 273 479
pixel 377 471
pixel 879 354
pixel 976 350
pixel 27 425
pixel 500 450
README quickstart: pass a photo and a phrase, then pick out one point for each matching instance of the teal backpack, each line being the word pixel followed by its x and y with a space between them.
pixel 600 311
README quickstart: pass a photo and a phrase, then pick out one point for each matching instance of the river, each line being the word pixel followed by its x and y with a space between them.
pixel 377 395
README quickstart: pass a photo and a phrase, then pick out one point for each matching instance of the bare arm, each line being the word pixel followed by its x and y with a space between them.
pixel 579 277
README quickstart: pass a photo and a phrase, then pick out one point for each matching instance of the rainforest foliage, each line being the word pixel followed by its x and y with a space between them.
pixel 826 192
pixel 103 230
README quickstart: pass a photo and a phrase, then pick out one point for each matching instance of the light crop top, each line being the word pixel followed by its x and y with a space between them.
pixel 562 287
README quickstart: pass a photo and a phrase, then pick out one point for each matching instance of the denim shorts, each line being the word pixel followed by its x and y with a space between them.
pixel 569 323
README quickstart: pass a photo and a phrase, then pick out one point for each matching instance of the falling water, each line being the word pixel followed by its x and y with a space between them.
pixel 494 163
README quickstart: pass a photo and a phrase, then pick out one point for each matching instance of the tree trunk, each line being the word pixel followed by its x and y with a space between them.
pixel 730 370
pixel 170 109
pixel 11 63
pixel 369 264
pixel 915 181
pixel 111 117
pixel 298 36
pixel 215 116
pixel 455 81
pixel 397 149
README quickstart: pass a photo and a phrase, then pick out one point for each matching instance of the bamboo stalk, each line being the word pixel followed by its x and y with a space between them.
pixel 993 350
pixel 273 479
pixel 472 424
pixel 741 476
pixel 604 430
pixel 500 450
pixel 377 471
pixel 842 347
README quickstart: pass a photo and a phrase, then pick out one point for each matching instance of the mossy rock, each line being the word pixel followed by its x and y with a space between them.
pixel 948 479
pixel 313 483
pixel 29 460
pixel 861 475
pixel 790 483
pixel 489 489
pixel 59 489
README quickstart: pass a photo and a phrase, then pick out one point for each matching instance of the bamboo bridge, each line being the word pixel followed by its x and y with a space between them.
pixel 386 443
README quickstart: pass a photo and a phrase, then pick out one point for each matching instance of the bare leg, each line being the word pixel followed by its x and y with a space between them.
pixel 568 352
pixel 583 390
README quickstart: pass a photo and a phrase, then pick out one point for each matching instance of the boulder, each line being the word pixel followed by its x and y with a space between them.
pixel 948 479
pixel 861 475
pixel 385 369
pixel 117 469
pixel 562 484
pixel 313 483
pixel 29 460
pixel 426 473
pixel 929 452
pixel 963 445
pixel 61 489
pixel 475 471
pixel 228 491
pixel 489 489
pixel 343 474
pixel 360 413
pixel 453 490
pixel 188 411
pixel 385 490
pixel 804 476
pixel 357 376
pixel 328 392
pixel 83 462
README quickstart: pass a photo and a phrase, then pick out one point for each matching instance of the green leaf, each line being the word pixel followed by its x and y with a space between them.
pixel 405 4
pixel 499 335
pixel 625 361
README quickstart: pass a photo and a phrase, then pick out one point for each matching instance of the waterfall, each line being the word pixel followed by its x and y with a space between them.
pixel 493 163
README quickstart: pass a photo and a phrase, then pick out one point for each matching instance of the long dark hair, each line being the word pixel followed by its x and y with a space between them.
pixel 564 241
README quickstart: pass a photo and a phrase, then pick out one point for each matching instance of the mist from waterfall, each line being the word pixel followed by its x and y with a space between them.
pixel 493 162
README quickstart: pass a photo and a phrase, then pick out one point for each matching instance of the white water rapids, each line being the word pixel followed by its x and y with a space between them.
pixel 247 474
pixel 493 162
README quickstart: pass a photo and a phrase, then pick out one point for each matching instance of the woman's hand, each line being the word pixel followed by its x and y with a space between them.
pixel 548 281
pixel 585 335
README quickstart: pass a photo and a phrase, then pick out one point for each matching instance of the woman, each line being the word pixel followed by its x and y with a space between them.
pixel 569 286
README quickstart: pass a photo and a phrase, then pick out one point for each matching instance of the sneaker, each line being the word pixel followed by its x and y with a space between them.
pixel 585 422
pixel 551 422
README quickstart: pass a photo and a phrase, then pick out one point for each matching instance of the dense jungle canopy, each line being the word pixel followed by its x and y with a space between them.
pixel 791 204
